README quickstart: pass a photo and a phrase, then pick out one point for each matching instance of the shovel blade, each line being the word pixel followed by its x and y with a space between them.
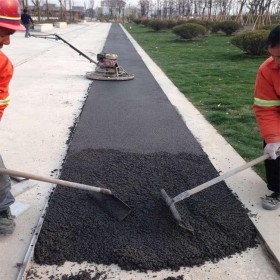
pixel 171 205
pixel 112 205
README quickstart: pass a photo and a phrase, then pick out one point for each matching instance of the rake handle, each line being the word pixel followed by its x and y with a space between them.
pixel 53 181
pixel 218 179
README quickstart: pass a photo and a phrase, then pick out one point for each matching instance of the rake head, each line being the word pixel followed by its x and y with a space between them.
pixel 171 204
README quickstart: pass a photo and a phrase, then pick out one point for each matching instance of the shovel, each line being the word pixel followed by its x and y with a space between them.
pixel 114 206
pixel 171 201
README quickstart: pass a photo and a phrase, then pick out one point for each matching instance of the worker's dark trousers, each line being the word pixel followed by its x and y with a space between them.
pixel 272 168
pixel 27 30
pixel 6 198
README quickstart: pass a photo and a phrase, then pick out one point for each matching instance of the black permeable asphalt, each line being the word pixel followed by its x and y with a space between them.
pixel 130 139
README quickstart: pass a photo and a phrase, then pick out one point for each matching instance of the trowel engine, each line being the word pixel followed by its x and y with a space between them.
pixel 107 68
pixel 107 60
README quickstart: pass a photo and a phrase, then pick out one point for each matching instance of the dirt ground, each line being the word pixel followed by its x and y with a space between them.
pixel 77 228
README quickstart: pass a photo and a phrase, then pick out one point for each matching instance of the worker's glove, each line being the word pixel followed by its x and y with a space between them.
pixel 271 149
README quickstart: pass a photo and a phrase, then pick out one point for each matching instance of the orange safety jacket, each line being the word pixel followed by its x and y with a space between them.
pixel 267 100
pixel 6 73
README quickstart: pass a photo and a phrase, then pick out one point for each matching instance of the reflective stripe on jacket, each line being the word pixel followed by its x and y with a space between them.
pixel 267 100
pixel 6 73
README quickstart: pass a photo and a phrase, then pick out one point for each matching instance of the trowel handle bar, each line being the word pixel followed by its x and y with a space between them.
pixel 53 181
pixel 78 51
pixel 218 179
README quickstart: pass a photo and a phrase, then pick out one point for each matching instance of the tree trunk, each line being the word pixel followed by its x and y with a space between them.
pixel 47 9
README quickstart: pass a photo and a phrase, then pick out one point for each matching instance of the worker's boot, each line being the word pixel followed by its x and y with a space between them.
pixel 7 223
pixel 271 202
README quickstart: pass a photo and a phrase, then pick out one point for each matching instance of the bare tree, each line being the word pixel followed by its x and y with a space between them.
pixel 70 4
pixel 36 4
pixel 144 8
pixel 23 3
pixel 120 5
pixel 111 6
pixel 62 9
pixel 181 5
pixel 259 11
pixel 222 9
pixel 210 8
pixel 263 16
pixel 47 9
pixel 90 8
pixel 203 8
pixel 239 17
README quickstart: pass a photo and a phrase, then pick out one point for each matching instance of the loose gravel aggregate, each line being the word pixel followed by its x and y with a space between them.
pixel 78 229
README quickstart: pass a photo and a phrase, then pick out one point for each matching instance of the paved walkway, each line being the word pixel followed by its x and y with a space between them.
pixel 134 116
pixel 65 89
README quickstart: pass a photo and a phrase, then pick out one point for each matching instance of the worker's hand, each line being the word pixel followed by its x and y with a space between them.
pixel 271 149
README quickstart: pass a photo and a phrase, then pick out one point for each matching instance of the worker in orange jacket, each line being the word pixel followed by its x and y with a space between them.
pixel 267 111
pixel 9 23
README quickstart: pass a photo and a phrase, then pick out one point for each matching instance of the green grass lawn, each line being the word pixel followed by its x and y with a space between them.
pixel 216 77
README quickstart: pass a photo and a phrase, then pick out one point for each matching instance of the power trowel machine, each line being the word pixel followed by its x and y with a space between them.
pixel 107 67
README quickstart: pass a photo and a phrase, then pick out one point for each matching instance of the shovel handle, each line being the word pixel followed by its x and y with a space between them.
pixel 53 181
pixel 218 179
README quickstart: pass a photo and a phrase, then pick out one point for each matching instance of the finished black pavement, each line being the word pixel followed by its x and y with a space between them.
pixel 131 140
